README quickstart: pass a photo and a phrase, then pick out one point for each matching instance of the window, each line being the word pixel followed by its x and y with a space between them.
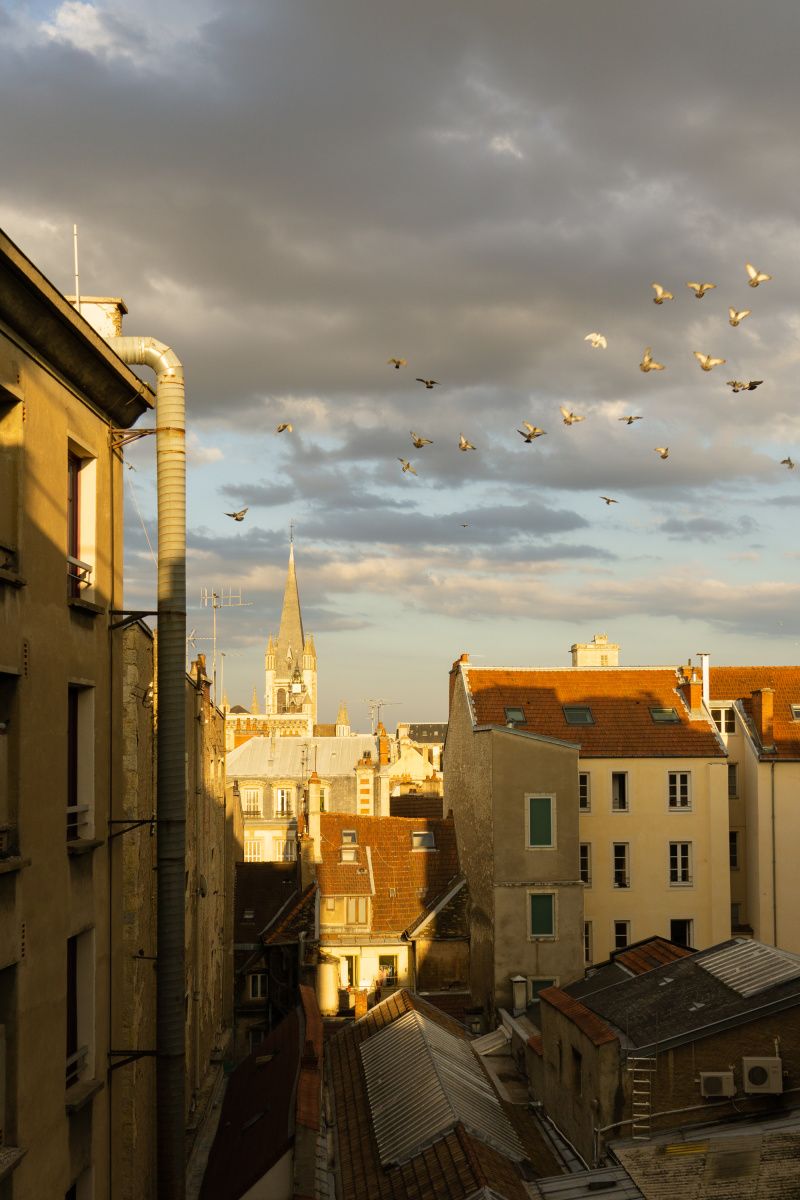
pixel 74 572
pixel 621 865
pixel 578 714
pixel 679 791
pixel 349 837
pixel 72 763
pixel 387 968
pixel 253 850
pixel 258 985
pixel 584 792
pixel 736 914
pixel 622 934
pixel 80 762
pixel 80 523
pixel 619 791
pixel 795 711
pixel 540 821
pixel 283 849
pixel 330 903
pixel 356 910
pixel 251 802
pixel 680 863
pixel 80 1008
pixel 587 941
pixel 680 932
pixel 586 863
pixel 733 848
pixel 577 1073
pixel 254 1039
pixel 283 802
pixel 349 970
pixel 422 840
pixel 538 985
pixel 514 716
pixel 664 716
pixel 322 799
pixel 542 914
pixel 733 780
pixel 724 719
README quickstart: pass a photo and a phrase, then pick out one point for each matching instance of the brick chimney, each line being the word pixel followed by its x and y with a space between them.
pixel 361 1002
pixel 383 745
pixel 692 692
pixel 454 675
pixel 763 705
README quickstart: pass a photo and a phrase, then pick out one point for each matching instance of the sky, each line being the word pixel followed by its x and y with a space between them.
pixel 290 193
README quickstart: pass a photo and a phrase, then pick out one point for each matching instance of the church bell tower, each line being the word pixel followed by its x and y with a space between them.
pixel 291 669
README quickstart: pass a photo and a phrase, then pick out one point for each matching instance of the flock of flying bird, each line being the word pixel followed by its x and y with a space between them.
pixel 648 363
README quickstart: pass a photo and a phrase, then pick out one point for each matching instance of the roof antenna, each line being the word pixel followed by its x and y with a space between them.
pixel 77 288
pixel 291 531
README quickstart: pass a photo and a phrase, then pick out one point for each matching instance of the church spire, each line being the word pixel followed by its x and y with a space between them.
pixel 290 635
pixel 342 721
pixel 254 705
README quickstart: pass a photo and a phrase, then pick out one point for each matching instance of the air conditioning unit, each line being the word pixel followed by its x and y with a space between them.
pixel 762 1074
pixel 717 1083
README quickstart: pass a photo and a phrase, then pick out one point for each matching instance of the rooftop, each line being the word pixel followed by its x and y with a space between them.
pixel 262 889
pixel 285 757
pixel 738 683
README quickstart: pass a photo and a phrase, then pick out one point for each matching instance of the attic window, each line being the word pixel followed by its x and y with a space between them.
pixel 665 716
pixel 249 914
pixel 514 716
pixel 349 837
pixel 795 711
pixel 578 714
pixel 422 840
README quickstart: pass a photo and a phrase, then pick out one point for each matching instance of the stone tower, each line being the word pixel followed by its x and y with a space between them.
pixel 291 669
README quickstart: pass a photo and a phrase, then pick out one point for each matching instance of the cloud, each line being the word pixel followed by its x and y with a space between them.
pixel 198 455
pixel 709 529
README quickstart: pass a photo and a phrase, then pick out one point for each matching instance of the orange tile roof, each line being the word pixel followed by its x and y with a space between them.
pixel 595 1029
pixel 416 876
pixel 619 698
pixel 309 1084
pixel 737 683
pixel 535 1044
pixel 652 954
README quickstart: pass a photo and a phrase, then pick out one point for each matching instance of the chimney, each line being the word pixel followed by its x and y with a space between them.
pixel 314 835
pixel 361 1002
pixel 104 313
pixel 383 745
pixel 464 660
pixel 692 692
pixel 705 661
pixel 763 702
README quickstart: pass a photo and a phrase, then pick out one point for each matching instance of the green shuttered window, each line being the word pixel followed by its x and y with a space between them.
pixel 540 820
pixel 542 915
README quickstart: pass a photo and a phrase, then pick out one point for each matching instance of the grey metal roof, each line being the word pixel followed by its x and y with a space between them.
pixel 276 757
pixel 422 1081
pixel 614 1180
pixel 750 967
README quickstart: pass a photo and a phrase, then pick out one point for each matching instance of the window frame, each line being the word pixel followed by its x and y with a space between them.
pixel 356 905
pixel 662 719
pixel 727 716
pixel 278 807
pixel 249 809
pixel 587 776
pixel 689 923
pixel 551 845
pixel 516 708
pixel 680 808
pixel 261 989
pixel 425 834
pixel 733 774
pixel 588 942
pixel 542 937
pixel 81 514
pixel 683 853
pixel 621 887
pixel 572 709
pixel 734 850
pixel 794 709
pixel 80 764
pixel 544 981
pixel 585 853
pixel 616 921
pixel 254 849
pixel 626 808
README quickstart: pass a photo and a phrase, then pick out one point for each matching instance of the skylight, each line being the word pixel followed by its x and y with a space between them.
pixel 665 716
pixel 795 711
pixel 578 714
pixel 514 716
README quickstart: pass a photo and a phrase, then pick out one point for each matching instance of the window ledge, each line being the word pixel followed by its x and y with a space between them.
pixel 85 605
pixel 79 1095
pixel 424 849
pixel 10 1158
pixel 13 864
pixel 16 580
pixel 84 845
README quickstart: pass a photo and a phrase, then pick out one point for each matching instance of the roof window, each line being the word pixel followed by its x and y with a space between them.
pixel 349 837
pixel 665 716
pixel 578 714
pixel 795 711
pixel 249 914
pixel 514 716
pixel 422 840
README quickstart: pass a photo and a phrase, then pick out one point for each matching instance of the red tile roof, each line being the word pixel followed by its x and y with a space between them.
pixel 417 876
pixel 619 698
pixel 535 1044
pixel 737 683
pixel 595 1029
pixel 309 1085
pixel 649 955
pixel 301 916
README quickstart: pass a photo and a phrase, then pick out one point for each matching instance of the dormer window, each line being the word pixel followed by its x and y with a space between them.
pixel 665 716
pixel 795 711
pixel 349 851
pixel 514 716
pixel 423 840
pixel 578 714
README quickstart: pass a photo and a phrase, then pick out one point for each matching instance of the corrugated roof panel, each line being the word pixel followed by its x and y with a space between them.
pixel 579 1186
pixel 749 967
pixel 285 756
pixel 421 1082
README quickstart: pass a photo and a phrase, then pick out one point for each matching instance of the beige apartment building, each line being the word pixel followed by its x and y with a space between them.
pixel 63 396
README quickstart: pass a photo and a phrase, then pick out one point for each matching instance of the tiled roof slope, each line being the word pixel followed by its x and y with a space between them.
pixel 620 701
pixel 595 1029
pixel 720 1168
pixel 737 683
pixel 301 916
pixel 264 888
pixel 395 865
pixel 650 954
pixel 453 1168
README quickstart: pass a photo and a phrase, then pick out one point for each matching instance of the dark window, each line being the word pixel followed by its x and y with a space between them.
pixel 587 941
pixel 514 715
pixel 680 862
pixel 72 764
pixel 724 719
pixel 578 714
pixel 73 522
pixel 584 794
pixel 72 1011
pixel 619 791
pixel 422 840
pixel 621 876
pixel 586 863
pixel 680 932
pixel 665 716
pixel 538 985
pixel 577 1072
pixel 622 931
pixel 540 821
pixel 733 780
pixel 258 986
pixel 733 848
pixel 387 966
pixel 542 910
pixel 736 914
pixel 349 836
pixel 679 796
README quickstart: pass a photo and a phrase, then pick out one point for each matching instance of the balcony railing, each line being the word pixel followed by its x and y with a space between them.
pixel 78 573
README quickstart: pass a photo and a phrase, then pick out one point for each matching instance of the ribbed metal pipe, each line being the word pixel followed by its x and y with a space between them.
pixel 170 754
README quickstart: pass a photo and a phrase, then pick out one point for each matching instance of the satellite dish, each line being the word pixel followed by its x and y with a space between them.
pixel 202 886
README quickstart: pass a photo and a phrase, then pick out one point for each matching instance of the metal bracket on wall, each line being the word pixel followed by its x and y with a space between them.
pixel 130 616
pixel 128 1056
pixel 121 437
pixel 130 825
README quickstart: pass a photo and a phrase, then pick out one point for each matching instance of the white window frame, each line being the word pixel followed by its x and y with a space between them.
pixel 587 775
pixel 356 906
pixel 733 774
pixel 615 921
pixel 689 857
pixel 587 846
pixel 86 733
pixel 254 850
pixel 618 887
pixel 723 710
pixel 284 849
pixel 680 808
pixel 627 778
pixel 541 937
pixel 259 985
pixel 423 839
pixel 690 921
pixel 553 810
pixel 251 808
pixel 277 794
pixel 87 515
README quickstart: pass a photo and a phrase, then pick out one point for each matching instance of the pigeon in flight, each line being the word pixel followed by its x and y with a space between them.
pixel 596 339
pixel 237 516
pixel 736 317
pixel 629 421
pixel 661 295
pixel 463 526
pixel 463 444
pixel 663 451
pixel 707 362
pixel 700 289
pixel 407 466
pixel 429 383
pixel 608 500
pixel 737 385
pixel 569 417
pixel 398 363
pixel 648 363
pixel 533 431
pixel 787 462
pixel 281 428
pixel 419 442
pixel 752 385
pixel 756 277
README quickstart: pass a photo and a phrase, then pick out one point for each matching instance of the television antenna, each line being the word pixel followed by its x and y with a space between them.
pixel 190 641
pixel 221 599
pixel 375 706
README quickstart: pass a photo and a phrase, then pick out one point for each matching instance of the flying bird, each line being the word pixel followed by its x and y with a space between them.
pixel 463 444
pixel 533 432
pixel 752 385
pixel 756 277
pixel 629 420
pixel 787 462
pixel 407 466
pixel 700 289
pixel 661 295
pixel 569 417
pixel 397 362
pixel 707 362
pixel 737 385
pixel 429 383
pixel 663 451
pixel 281 428
pixel 608 500
pixel 237 516
pixel 596 339
pixel 463 526
pixel 649 364
pixel 419 442
pixel 736 317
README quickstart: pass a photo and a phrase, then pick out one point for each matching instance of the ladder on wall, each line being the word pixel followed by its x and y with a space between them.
pixel 641 1071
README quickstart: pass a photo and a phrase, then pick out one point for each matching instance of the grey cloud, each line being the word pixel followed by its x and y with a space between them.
pixel 706 529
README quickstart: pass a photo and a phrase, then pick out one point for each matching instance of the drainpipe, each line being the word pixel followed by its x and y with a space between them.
pixel 198 896
pixel 774 872
pixel 170 754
